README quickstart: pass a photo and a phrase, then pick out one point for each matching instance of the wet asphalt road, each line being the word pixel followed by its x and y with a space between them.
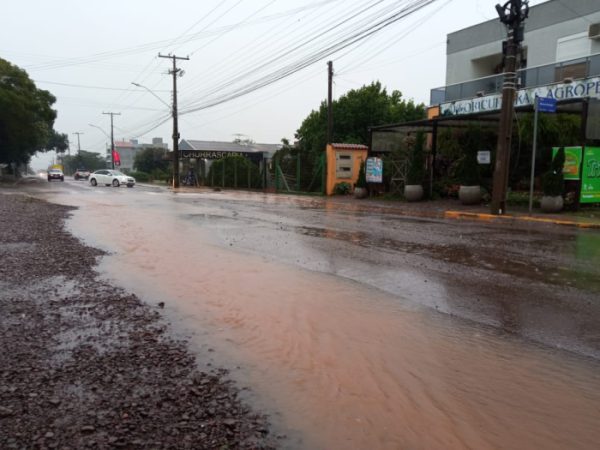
pixel 539 281
pixel 290 285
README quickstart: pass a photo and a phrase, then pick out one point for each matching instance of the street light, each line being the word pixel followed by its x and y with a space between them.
pixel 151 92
pixel 173 110
pixel 105 133
pixel 96 126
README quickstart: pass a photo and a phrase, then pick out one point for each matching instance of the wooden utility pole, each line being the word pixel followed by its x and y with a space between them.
pixel 112 138
pixel 512 14
pixel 330 102
pixel 174 72
pixel 78 143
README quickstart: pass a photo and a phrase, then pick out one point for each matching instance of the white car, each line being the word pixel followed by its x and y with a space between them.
pixel 111 177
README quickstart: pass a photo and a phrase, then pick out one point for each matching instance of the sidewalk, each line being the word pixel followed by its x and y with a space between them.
pixel 453 209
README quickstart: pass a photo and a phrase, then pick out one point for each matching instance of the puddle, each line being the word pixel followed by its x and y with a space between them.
pixel 346 365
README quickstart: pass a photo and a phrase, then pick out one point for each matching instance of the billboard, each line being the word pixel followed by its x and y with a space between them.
pixel 590 180
pixel 571 169
pixel 374 170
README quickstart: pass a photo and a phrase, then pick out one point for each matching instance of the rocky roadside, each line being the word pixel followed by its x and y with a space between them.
pixel 85 365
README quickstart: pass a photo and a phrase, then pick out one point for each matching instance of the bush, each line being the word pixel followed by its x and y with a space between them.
pixel 342 188
pixel 468 172
pixel 553 181
pixel 361 182
pixel 140 176
pixel 416 168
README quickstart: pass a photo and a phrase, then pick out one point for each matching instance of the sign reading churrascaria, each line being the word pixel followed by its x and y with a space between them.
pixel 209 154
pixel 589 87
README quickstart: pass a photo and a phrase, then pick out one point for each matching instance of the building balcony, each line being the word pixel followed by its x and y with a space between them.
pixel 528 78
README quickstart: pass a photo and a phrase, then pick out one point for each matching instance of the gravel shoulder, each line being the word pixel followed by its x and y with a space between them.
pixel 87 365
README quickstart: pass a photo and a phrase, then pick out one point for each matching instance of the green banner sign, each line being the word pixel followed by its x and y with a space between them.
pixel 571 170
pixel 590 185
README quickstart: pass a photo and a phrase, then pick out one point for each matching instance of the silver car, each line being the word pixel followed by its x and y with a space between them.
pixel 111 178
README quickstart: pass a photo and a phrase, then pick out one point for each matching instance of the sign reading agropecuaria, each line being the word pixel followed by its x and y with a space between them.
pixel 589 87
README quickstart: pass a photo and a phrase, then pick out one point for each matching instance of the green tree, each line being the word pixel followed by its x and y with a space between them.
pixel 83 160
pixel 150 160
pixel 553 180
pixel 416 167
pixel 26 117
pixel 353 114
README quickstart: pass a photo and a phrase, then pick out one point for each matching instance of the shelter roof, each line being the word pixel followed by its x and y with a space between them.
pixel 349 146
pixel 220 146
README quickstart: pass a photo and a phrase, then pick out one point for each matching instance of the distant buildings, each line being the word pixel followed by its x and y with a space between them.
pixel 128 149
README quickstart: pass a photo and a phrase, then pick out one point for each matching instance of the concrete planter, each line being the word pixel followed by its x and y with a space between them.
pixel 469 195
pixel 413 192
pixel 552 204
pixel 360 192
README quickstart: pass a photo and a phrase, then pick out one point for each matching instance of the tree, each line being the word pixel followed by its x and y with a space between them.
pixel 26 117
pixel 353 114
pixel 151 159
pixel 83 160
pixel 553 180
pixel 416 167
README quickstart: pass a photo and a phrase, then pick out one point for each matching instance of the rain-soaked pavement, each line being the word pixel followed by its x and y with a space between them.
pixel 361 328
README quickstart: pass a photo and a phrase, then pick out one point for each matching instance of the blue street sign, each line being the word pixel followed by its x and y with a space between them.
pixel 546 104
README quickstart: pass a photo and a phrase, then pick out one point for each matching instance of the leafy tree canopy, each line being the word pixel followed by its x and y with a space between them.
pixel 83 160
pixel 150 159
pixel 353 114
pixel 26 117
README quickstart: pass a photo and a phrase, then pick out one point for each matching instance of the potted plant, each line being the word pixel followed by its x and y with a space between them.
pixel 469 192
pixel 360 187
pixel 553 184
pixel 413 189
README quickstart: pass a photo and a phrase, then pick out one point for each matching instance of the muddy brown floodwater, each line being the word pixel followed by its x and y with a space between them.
pixel 345 365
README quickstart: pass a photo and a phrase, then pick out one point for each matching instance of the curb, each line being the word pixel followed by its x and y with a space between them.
pixel 492 217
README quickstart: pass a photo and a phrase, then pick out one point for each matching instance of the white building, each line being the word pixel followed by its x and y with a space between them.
pixel 562 42
pixel 128 149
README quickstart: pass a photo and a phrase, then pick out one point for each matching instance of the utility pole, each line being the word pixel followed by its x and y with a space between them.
pixel 78 143
pixel 512 14
pixel 112 139
pixel 330 102
pixel 174 72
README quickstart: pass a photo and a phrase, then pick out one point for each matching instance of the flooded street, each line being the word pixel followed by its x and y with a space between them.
pixel 358 327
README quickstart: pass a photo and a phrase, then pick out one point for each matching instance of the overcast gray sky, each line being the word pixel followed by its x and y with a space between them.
pixel 87 53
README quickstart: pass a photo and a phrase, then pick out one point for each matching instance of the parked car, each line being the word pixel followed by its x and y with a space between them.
pixel 81 174
pixel 55 174
pixel 111 177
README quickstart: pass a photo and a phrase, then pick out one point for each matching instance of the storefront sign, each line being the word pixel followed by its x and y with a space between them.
pixel 484 157
pixel 590 184
pixel 374 170
pixel 206 154
pixel 589 87
pixel 571 169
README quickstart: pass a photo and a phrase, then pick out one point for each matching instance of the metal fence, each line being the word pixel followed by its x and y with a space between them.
pixel 299 174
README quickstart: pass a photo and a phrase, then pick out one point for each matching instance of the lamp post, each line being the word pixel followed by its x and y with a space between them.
pixel 152 92
pixel 101 129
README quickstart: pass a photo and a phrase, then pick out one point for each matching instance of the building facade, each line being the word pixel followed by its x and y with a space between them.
pixel 128 149
pixel 561 42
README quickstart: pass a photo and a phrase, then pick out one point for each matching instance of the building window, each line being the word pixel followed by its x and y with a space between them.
pixel 343 165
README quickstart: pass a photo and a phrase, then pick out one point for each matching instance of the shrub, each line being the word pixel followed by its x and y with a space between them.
pixel 468 171
pixel 361 182
pixel 140 176
pixel 553 180
pixel 416 167
pixel 342 188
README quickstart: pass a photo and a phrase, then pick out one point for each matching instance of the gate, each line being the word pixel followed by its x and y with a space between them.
pixel 299 174
pixel 238 172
